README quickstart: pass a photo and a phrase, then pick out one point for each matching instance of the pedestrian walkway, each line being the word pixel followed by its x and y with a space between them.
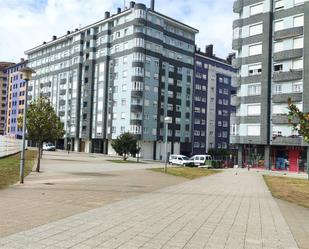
pixel 225 210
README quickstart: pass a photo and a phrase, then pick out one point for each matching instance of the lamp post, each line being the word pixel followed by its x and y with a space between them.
pixel 249 152
pixel 27 75
pixel 167 120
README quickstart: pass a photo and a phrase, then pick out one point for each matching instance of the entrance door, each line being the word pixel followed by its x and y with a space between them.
pixel 82 146
pixel 293 160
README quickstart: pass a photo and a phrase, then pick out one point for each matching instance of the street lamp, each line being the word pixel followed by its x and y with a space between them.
pixel 167 120
pixel 249 152
pixel 27 75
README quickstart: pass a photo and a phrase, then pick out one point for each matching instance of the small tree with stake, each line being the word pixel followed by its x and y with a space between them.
pixel 43 124
pixel 125 144
pixel 300 123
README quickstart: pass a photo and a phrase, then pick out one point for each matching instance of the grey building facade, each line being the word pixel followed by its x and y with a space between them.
pixel 124 73
pixel 272 42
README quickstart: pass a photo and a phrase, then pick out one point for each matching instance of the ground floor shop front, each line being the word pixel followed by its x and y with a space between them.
pixel 277 158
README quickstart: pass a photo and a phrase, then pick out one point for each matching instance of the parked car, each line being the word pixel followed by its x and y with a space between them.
pixel 49 147
pixel 179 160
pixel 202 160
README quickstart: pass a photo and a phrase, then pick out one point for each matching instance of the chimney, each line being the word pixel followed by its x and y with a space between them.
pixel 76 30
pixel 44 42
pixel 132 4
pixel 22 60
pixel 54 37
pixel 107 14
pixel 152 6
pixel 210 50
pixel 118 10
pixel 68 32
pixel 230 58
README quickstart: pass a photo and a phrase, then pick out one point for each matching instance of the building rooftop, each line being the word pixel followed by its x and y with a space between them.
pixel 107 18
pixel 209 53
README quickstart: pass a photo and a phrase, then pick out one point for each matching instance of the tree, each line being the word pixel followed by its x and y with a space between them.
pixel 125 144
pixel 299 120
pixel 43 124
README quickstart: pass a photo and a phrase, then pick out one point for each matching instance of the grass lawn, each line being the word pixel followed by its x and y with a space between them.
pixel 289 189
pixel 188 172
pixel 9 168
pixel 123 161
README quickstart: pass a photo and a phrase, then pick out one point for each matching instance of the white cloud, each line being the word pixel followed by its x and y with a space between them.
pixel 27 23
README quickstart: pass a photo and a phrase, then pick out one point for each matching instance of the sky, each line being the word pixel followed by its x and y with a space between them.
pixel 25 24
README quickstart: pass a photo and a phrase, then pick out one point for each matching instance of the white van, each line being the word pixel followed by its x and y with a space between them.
pixel 179 160
pixel 202 160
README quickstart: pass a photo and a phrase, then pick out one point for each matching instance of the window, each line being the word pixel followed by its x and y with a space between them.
pixel 297 87
pixel 255 49
pixel 298 21
pixel 124 87
pixel 254 89
pixel 125 46
pixel 255 69
pixel 278 67
pixel 298 42
pixel 278 47
pixel 123 115
pixel 256 9
pixel 254 110
pixel 279 4
pixel 277 89
pixel 253 130
pixel 236 33
pixel 298 64
pixel 278 25
pixel 124 74
pixel 256 29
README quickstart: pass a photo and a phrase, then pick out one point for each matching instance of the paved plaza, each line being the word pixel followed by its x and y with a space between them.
pixel 226 210
pixel 71 184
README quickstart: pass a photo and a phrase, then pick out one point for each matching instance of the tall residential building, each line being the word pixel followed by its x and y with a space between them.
pixel 271 39
pixel 15 99
pixel 3 95
pixel 123 73
pixel 212 101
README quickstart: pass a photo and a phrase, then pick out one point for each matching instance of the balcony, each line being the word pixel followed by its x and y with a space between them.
pixel 236 81
pixel 283 98
pixel 62 102
pixel 137 94
pixel 288 33
pixel 237 6
pixel 245 140
pixel 63 92
pixel 136 122
pixel 235 100
pixel 288 141
pixel 288 54
pixel 237 63
pixel 288 76
pixel 236 44
pixel 280 119
pixel 237 23
pixel 136 108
